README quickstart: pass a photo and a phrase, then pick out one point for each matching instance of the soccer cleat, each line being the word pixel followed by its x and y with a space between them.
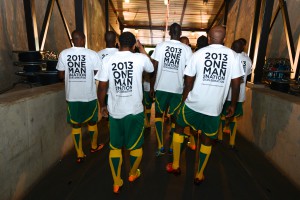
pixel 198 181
pixel 80 159
pixel 132 178
pixel 99 147
pixel 192 147
pixel 117 188
pixel 160 152
pixel 170 169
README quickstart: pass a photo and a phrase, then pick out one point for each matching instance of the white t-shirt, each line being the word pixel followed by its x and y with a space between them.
pixel 79 64
pixel 172 57
pixel 247 67
pixel 124 72
pixel 214 66
pixel 107 51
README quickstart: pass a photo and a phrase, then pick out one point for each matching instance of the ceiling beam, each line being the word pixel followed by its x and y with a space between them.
pixel 183 11
pixel 217 15
pixel 46 23
pixel 163 28
pixel 121 25
pixel 150 21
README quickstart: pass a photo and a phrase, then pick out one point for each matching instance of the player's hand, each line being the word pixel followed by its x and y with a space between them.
pixel 151 93
pixel 230 111
pixel 138 44
pixel 104 111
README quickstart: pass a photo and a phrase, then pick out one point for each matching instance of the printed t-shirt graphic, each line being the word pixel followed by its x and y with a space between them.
pixel 79 64
pixel 172 57
pixel 214 67
pixel 246 63
pixel 124 71
pixel 107 51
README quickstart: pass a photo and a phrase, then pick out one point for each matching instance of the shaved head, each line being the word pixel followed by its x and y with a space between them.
pixel 185 40
pixel 237 46
pixel 110 38
pixel 216 35
pixel 78 38
pixel 175 31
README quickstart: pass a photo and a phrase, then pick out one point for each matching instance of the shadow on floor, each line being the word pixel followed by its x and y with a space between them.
pixel 241 174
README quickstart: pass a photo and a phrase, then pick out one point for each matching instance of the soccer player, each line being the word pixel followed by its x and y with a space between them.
pixel 123 72
pixel 147 100
pixel 229 125
pixel 202 41
pixel 208 76
pixel 77 66
pixel 110 40
pixel 170 58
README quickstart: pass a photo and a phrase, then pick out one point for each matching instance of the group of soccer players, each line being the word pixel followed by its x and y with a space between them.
pixel 190 87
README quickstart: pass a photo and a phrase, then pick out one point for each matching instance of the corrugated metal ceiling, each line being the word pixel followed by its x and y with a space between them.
pixel 147 19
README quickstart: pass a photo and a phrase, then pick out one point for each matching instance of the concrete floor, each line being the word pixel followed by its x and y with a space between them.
pixel 241 174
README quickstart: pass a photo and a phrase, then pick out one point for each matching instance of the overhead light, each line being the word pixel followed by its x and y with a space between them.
pixel 193 33
pixel 127 1
pixel 166 2
pixel 136 30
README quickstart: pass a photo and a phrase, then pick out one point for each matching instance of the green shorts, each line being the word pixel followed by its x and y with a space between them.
pixel 147 100
pixel 209 125
pixel 127 132
pixel 238 110
pixel 82 112
pixel 163 100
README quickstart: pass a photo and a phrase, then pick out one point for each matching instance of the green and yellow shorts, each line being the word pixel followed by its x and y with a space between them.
pixel 82 112
pixel 163 100
pixel 127 132
pixel 238 110
pixel 147 100
pixel 209 125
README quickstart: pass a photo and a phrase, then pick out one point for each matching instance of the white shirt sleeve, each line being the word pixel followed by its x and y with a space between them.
pixel 237 68
pixel 102 75
pixel 156 54
pixel 148 66
pixel 60 65
pixel 97 62
pixel 189 54
pixel 190 69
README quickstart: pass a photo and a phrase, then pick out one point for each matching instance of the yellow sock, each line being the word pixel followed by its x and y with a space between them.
pixel 115 163
pixel 233 126
pixel 77 138
pixel 159 131
pixel 93 130
pixel 147 117
pixel 135 160
pixel 171 136
pixel 220 131
pixel 203 158
pixel 177 141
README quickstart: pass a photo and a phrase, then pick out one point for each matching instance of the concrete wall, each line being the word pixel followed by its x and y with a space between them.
pixel 34 136
pixel 240 20
pixel 272 122
pixel 13 35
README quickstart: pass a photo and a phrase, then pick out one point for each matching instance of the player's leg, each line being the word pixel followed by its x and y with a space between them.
pixel 134 139
pixel 115 154
pixel 174 106
pixel 209 133
pixel 183 120
pixel 74 118
pixel 160 106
